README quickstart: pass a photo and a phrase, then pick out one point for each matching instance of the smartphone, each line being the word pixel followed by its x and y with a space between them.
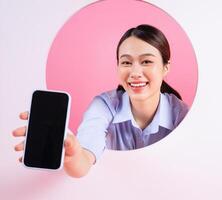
pixel 46 130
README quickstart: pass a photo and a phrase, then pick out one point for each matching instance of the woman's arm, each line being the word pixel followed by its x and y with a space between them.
pixel 77 160
pixel 91 135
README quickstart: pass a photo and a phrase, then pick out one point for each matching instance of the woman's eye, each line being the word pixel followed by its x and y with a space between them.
pixel 146 62
pixel 126 63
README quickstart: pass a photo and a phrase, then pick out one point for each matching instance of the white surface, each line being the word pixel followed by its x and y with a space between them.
pixel 185 165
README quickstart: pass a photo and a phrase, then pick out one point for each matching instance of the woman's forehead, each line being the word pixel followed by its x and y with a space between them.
pixel 133 46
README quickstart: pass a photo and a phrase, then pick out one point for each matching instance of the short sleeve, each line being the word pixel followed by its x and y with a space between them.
pixel 92 131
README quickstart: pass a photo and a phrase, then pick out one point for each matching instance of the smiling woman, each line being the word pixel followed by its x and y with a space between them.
pixel 144 108
pixel 141 111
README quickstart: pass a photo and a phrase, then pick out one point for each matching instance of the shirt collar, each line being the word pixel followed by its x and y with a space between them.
pixel 162 117
pixel 166 118
pixel 124 110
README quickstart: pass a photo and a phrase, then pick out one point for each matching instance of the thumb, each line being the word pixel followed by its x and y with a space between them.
pixel 71 145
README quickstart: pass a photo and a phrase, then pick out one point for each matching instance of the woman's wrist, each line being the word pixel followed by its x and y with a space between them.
pixel 77 165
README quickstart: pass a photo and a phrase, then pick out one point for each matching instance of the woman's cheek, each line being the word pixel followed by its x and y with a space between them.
pixel 154 73
pixel 123 75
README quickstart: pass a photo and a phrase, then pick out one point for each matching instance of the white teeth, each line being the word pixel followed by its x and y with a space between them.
pixel 137 84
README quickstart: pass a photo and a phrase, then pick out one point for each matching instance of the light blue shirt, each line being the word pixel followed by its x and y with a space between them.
pixel 109 123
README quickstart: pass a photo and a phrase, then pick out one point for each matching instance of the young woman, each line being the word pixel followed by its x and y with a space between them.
pixel 141 111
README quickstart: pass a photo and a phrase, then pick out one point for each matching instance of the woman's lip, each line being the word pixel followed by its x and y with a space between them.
pixel 136 82
pixel 137 85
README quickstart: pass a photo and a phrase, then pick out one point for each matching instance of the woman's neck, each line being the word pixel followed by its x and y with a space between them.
pixel 144 111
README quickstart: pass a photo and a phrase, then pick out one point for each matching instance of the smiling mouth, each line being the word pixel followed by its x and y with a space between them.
pixel 138 85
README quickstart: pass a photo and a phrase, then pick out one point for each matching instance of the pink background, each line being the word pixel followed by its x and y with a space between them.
pixel 186 165
pixel 82 58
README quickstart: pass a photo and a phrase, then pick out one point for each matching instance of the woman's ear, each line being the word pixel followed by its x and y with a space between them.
pixel 166 68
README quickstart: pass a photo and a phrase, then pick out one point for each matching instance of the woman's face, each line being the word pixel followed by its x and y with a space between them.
pixel 140 69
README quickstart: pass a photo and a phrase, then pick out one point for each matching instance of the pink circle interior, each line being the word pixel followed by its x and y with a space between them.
pixel 82 58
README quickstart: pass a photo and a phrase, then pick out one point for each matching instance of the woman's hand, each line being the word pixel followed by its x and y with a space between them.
pixel 20 132
pixel 77 161
pixel 72 147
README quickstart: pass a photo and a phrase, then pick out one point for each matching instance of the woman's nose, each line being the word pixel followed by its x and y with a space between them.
pixel 136 71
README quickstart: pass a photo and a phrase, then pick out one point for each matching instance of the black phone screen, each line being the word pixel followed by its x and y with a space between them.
pixel 46 129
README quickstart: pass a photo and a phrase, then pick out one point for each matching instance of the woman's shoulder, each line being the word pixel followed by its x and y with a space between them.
pixel 175 101
pixel 179 108
pixel 112 98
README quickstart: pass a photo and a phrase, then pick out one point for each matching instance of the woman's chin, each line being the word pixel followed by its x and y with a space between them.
pixel 138 96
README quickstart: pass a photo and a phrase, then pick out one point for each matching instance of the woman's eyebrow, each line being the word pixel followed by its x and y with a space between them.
pixel 145 54
pixel 125 55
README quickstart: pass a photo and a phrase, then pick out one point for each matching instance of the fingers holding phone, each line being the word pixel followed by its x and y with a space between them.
pixel 71 144
pixel 20 132
pixel 77 161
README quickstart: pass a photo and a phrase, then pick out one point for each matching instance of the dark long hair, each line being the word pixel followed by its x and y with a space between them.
pixel 156 38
